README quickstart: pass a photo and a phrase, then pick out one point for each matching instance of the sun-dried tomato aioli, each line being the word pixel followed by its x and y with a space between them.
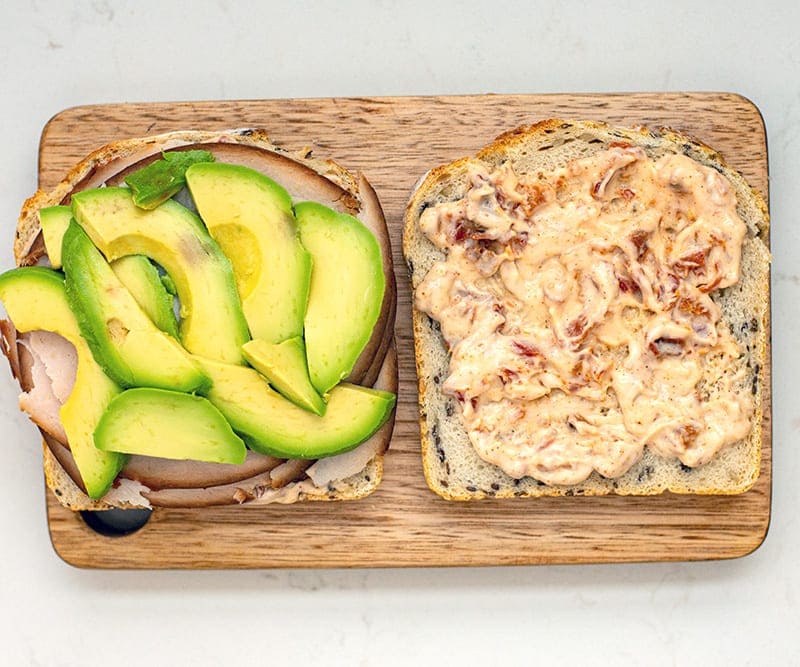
pixel 576 306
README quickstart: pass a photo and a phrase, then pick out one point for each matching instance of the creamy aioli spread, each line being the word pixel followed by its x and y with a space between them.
pixel 576 307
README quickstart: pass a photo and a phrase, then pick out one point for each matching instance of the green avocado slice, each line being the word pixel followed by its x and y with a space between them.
pixel 275 426
pixel 35 299
pixel 251 218
pixel 54 221
pixel 143 281
pixel 135 271
pixel 347 287
pixel 284 365
pixel 212 322
pixel 168 424
pixel 125 342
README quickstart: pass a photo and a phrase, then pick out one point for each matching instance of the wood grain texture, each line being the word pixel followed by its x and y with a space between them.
pixel 394 141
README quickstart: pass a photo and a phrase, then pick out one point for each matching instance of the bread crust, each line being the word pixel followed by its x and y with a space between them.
pixel 309 177
pixel 452 468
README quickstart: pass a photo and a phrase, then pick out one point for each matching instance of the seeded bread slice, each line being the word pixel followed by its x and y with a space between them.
pixel 452 468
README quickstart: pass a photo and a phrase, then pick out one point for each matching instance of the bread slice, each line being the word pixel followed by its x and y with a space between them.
pixel 162 483
pixel 452 467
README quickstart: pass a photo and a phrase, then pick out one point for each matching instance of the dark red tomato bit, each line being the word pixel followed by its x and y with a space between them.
pixel 695 259
pixel 576 327
pixel 639 239
pixel 525 349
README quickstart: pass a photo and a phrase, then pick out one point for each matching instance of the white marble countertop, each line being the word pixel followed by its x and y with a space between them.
pixel 56 55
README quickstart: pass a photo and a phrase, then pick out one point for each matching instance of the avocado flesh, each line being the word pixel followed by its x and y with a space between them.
pixel 54 221
pixel 135 271
pixel 250 216
pixel 143 281
pixel 35 299
pixel 347 287
pixel 275 426
pixel 168 424
pixel 284 365
pixel 212 323
pixel 125 342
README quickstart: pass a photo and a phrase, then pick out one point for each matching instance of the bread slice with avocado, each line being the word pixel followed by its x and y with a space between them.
pixel 507 213
pixel 352 465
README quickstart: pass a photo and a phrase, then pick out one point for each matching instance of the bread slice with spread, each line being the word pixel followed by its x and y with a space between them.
pixel 590 316
pixel 145 481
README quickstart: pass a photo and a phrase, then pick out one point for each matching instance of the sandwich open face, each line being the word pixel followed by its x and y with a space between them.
pixel 590 316
pixel 204 319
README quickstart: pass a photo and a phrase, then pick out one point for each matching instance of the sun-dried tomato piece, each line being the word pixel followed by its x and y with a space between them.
pixel 526 349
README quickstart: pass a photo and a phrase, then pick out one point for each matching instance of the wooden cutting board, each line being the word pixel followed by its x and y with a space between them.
pixel 394 141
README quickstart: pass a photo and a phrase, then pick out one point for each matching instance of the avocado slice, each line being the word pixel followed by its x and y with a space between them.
pixel 212 323
pixel 35 299
pixel 168 424
pixel 284 365
pixel 158 181
pixel 347 287
pixel 275 426
pixel 144 282
pixel 54 221
pixel 125 342
pixel 250 216
pixel 135 271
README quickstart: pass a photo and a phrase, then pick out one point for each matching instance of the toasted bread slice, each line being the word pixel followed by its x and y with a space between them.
pixel 146 482
pixel 452 467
